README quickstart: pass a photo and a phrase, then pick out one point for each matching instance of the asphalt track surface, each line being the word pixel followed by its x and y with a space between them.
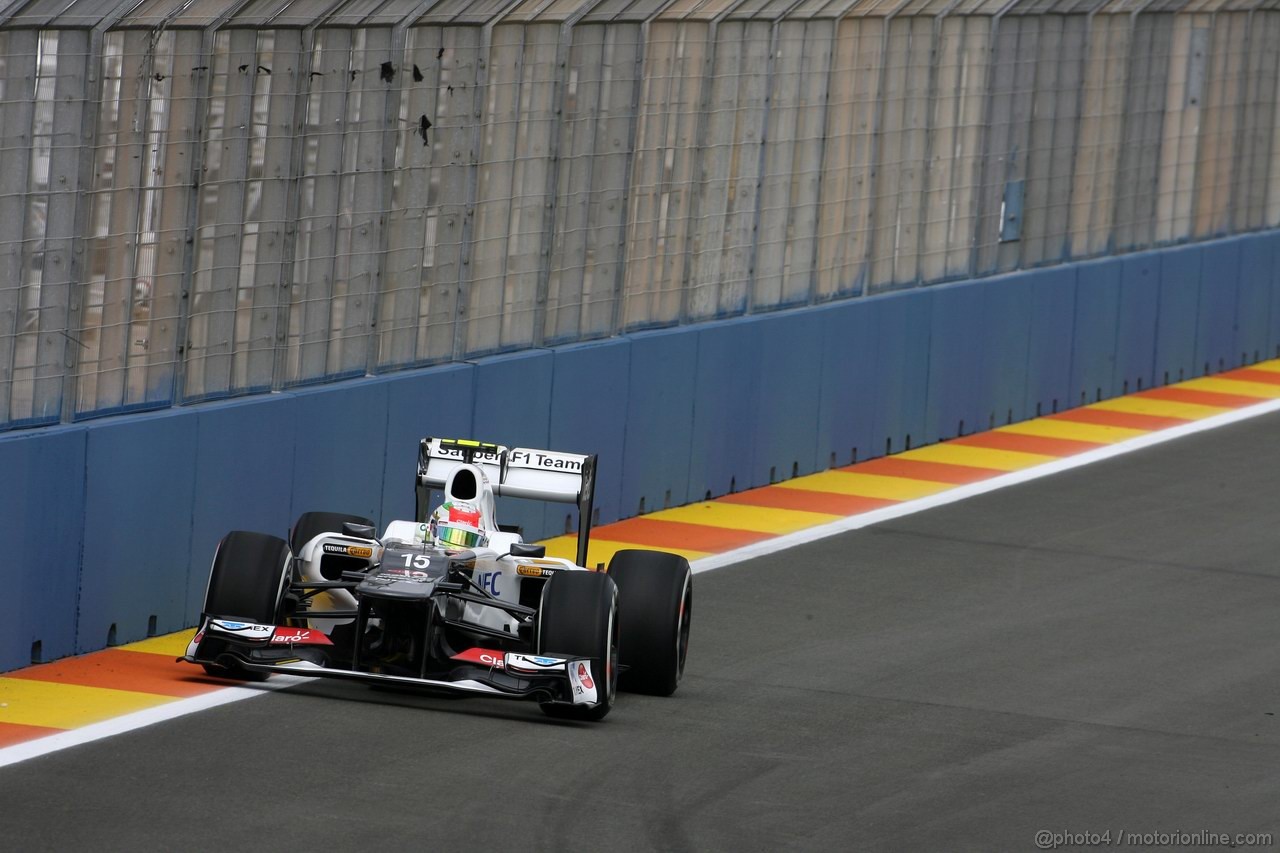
pixel 1093 651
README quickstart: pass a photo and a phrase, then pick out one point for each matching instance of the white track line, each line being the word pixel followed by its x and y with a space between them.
pixel 959 493
pixel 139 719
pixel 182 707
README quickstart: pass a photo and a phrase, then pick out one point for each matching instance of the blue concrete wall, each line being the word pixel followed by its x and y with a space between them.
pixel 1273 323
pixel 659 430
pixel 139 490
pixel 903 325
pixel 436 402
pixel 1176 318
pixel 789 371
pixel 1216 348
pixel 589 391
pixel 243 460
pixel 1137 314
pixel 1051 338
pixel 1007 321
pixel 726 394
pixel 1096 327
pixel 1253 300
pixel 109 526
pixel 42 479
pixel 511 395
pixel 845 420
pixel 960 374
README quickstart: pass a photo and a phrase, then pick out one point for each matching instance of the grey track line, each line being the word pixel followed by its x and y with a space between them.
pixel 1098 650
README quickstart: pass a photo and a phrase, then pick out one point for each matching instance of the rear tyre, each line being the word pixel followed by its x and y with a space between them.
pixel 579 616
pixel 246 584
pixel 655 591
pixel 311 524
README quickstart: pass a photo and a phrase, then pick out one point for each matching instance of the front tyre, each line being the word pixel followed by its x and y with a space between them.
pixel 246 584
pixel 656 594
pixel 579 617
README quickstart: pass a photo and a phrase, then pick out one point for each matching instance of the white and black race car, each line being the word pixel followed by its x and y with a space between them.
pixel 452 601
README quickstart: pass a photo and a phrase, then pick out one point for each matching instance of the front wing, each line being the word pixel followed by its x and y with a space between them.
pixel 488 672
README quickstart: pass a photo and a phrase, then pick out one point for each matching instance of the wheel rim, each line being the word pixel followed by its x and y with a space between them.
pixel 611 655
pixel 682 627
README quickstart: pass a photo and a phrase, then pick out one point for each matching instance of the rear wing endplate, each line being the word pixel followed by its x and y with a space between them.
pixel 517 472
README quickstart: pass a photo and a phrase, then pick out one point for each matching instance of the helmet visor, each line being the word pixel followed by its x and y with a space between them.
pixel 458 537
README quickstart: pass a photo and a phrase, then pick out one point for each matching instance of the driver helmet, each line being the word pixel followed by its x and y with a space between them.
pixel 456 524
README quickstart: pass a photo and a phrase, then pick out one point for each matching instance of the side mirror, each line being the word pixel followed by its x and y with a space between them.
pixel 463 561
pixel 359 531
pixel 528 549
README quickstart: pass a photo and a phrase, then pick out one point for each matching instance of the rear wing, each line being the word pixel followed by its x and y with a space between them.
pixel 517 472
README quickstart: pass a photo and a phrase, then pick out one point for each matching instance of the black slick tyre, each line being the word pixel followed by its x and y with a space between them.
pixel 311 524
pixel 579 616
pixel 655 594
pixel 246 584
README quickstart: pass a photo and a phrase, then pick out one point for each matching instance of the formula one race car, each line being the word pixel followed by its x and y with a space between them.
pixel 452 601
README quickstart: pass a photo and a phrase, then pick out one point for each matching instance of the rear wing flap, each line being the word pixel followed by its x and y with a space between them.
pixel 517 472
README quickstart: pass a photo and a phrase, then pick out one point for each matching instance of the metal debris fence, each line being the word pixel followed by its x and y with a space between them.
pixel 206 198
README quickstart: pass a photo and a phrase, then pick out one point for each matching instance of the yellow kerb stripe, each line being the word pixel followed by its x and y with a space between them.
pixel 169 645
pixel 978 457
pixel 1225 385
pixel 1097 433
pixel 601 550
pixel 1160 408
pixel 866 485
pixel 758 519
pixel 67 706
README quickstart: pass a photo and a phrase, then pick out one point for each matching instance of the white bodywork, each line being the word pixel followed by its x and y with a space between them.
pixel 308 567
pixel 551 476
pixel 538 474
